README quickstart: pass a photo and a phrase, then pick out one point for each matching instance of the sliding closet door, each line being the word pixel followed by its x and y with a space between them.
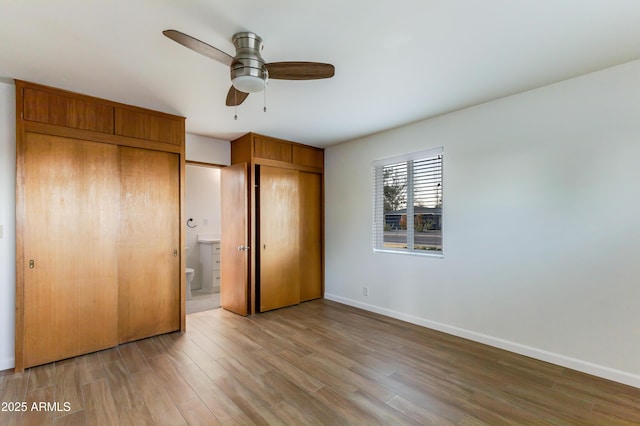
pixel 149 244
pixel 310 236
pixel 70 193
pixel 279 241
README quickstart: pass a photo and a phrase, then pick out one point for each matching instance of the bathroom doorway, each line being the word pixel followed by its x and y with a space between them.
pixel 202 208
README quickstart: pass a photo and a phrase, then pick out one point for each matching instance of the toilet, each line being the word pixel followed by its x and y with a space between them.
pixel 190 272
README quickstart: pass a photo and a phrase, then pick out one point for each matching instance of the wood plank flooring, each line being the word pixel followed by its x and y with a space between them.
pixel 316 363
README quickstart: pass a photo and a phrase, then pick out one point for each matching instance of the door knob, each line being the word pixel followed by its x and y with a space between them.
pixel 243 248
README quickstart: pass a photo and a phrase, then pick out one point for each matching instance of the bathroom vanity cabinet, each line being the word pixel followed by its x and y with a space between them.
pixel 272 225
pixel 210 261
pixel 98 213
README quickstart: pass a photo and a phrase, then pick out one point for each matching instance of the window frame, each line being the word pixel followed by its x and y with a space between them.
pixel 378 203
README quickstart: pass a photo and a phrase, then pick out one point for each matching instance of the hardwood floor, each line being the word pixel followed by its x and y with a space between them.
pixel 316 363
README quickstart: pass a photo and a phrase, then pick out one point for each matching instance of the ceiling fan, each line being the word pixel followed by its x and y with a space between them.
pixel 249 72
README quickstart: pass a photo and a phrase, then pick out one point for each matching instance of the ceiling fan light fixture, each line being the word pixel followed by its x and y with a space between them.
pixel 248 84
pixel 248 80
pixel 248 70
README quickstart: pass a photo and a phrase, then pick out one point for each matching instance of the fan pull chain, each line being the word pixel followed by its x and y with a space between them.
pixel 235 95
pixel 266 83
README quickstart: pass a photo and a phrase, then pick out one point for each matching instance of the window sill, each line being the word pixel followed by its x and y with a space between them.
pixel 421 253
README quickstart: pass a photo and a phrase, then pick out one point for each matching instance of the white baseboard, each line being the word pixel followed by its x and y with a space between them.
pixel 553 358
pixel 7 364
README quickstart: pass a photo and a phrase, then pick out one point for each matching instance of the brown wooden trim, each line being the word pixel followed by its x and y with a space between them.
pixel 50 129
pixel 141 124
pixel 322 254
pixel 269 149
pixel 307 156
pixel 283 165
pixel 20 229
pixel 242 149
pixel 58 92
pixel 147 111
pixel 183 245
pixel 285 141
pixel 252 239
pixel 201 164
pixel 97 136
pixel 92 99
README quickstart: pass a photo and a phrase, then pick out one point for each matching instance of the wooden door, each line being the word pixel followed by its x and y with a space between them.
pixel 279 225
pixel 149 243
pixel 70 202
pixel 234 256
pixel 310 236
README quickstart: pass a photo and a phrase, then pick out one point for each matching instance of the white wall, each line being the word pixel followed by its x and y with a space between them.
pixel 204 149
pixel 203 194
pixel 541 225
pixel 203 205
pixel 7 221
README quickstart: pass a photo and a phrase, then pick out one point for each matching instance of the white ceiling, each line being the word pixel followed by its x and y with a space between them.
pixel 397 61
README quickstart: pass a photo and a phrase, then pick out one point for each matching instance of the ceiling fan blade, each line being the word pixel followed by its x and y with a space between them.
pixel 199 46
pixel 235 97
pixel 300 70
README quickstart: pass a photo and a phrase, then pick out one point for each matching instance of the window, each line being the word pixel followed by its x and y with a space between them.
pixel 408 203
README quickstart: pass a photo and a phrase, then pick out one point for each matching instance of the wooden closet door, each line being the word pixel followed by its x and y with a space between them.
pixel 234 256
pixel 310 236
pixel 279 225
pixel 70 205
pixel 148 246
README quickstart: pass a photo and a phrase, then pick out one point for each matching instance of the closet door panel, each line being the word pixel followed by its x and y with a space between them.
pixel 279 224
pixel 272 150
pixel 148 246
pixel 305 156
pixel 149 126
pixel 54 108
pixel 71 197
pixel 310 236
pixel 234 269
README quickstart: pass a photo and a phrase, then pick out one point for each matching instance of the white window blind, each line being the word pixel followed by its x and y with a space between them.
pixel 407 192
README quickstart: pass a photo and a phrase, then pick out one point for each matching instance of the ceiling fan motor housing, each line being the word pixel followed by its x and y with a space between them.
pixel 248 71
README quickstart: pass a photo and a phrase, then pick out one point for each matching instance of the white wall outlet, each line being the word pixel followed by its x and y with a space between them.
pixel 1 232
pixel 365 291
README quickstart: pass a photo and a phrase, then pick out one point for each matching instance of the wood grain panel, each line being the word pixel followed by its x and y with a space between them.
pixel 73 285
pixel 68 132
pixel 241 149
pixel 67 386
pixel 61 110
pixel 305 156
pixel 148 269
pixel 310 236
pixel 68 117
pixel 234 266
pixel 279 241
pixel 100 409
pixel 272 149
pixel 148 126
